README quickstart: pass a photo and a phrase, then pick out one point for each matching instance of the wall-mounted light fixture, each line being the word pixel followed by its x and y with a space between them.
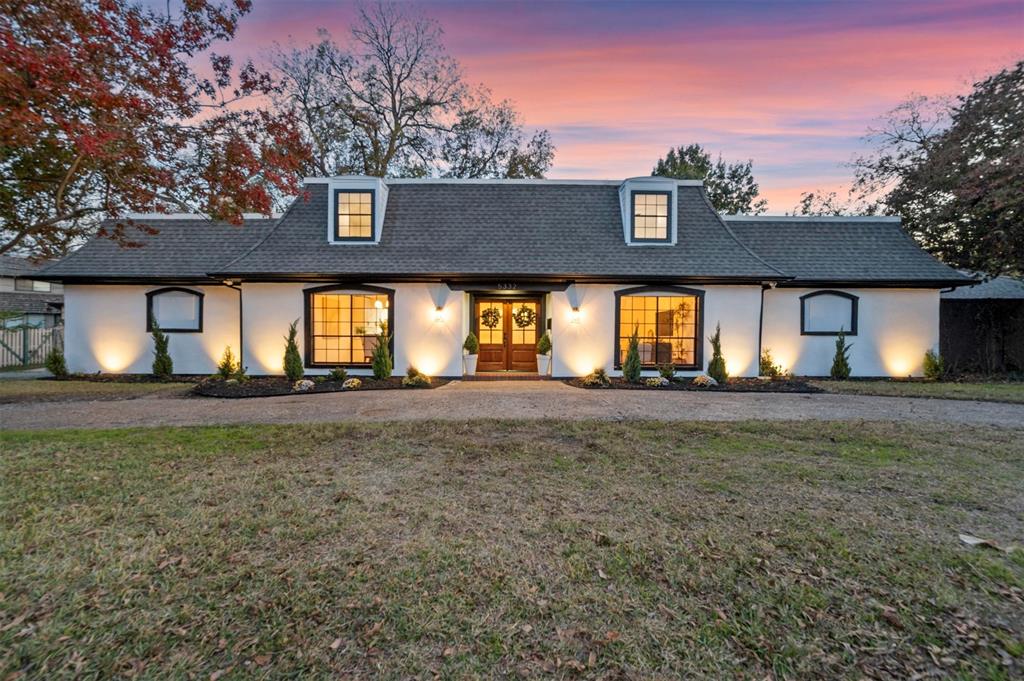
pixel 438 314
pixel 574 316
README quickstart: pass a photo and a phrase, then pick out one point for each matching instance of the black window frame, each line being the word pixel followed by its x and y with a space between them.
pixel 343 288
pixel 632 217
pixel 150 295
pixel 698 346
pixel 373 216
pixel 852 331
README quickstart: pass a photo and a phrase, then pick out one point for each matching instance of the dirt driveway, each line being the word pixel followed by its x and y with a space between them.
pixel 540 400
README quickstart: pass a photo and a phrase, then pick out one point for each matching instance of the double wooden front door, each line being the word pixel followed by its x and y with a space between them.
pixel 507 330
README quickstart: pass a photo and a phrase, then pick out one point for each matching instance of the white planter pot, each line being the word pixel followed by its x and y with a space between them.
pixel 470 361
pixel 543 361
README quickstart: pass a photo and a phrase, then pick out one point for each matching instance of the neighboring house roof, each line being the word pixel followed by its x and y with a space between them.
pixel 183 248
pixel 997 288
pixel 842 250
pixel 33 303
pixel 16 266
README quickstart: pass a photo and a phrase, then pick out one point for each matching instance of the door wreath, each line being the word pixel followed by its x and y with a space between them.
pixel 524 317
pixel 490 317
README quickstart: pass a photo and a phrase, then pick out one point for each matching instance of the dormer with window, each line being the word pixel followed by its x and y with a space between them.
pixel 649 211
pixel 356 206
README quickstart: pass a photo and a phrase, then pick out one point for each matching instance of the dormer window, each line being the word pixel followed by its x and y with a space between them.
pixel 650 216
pixel 354 218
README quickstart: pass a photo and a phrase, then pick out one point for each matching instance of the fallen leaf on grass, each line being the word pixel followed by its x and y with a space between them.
pixel 261 660
pixel 971 540
pixel 335 644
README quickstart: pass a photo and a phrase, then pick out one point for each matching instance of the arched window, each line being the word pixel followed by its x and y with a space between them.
pixel 669 322
pixel 175 310
pixel 825 313
pixel 343 324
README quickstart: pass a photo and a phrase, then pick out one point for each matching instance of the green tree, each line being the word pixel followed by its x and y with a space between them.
pixel 381 360
pixel 293 368
pixel 55 363
pixel 716 367
pixel 730 186
pixel 163 366
pixel 228 366
pixel 841 361
pixel 631 367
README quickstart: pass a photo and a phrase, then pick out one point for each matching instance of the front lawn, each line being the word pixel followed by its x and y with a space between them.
pixel 49 390
pixel 487 548
pixel 1009 391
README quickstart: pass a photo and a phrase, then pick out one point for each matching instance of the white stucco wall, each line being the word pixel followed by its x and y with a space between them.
pixel 895 327
pixel 105 330
pixel 579 348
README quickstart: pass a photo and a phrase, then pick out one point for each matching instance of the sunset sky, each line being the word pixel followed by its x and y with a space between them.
pixel 792 85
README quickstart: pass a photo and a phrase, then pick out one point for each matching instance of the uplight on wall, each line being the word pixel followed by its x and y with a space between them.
pixel 575 315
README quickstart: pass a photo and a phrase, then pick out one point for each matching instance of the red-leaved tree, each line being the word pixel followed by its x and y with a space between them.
pixel 103 114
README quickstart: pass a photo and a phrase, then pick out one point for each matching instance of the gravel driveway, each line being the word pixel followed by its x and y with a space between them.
pixel 538 400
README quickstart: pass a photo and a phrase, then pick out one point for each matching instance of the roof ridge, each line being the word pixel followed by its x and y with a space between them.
pixel 728 230
pixel 811 218
pixel 259 242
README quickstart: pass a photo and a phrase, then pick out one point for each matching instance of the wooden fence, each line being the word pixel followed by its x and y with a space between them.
pixel 27 347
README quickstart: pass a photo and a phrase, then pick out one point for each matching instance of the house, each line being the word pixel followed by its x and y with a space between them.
pixel 25 300
pixel 982 326
pixel 586 261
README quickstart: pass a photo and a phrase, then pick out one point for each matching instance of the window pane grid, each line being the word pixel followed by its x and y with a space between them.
pixel 355 215
pixel 666 325
pixel 650 216
pixel 345 326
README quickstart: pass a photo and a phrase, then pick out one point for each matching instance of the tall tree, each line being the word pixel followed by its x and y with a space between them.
pixel 394 103
pixel 730 186
pixel 102 114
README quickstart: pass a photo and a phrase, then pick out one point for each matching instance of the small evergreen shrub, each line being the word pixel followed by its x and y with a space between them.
pixel 716 367
pixel 382 364
pixel 471 344
pixel 228 367
pixel 338 374
pixel 163 366
pixel 934 366
pixel 596 379
pixel 292 359
pixel 544 344
pixel 841 361
pixel 768 366
pixel 55 363
pixel 667 370
pixel 631 367
pixel 415 379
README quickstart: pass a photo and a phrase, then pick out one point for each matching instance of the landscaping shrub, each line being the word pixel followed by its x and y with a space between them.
pixel 657 381
pixel 55 363
pixel 841 362
pixel 631 367
pixel 415 379
pixel 667 371
pixel 338 374
pixel 716 367
pixel 768 366
pixel 382 365
pixel 303 385
pixel 292 359
pixel 544 344
pixel 934 366
pixel 471 344
pixel 228 367
pixel 597 378
pixel 163 366
pixel 352 384
pixel 703 381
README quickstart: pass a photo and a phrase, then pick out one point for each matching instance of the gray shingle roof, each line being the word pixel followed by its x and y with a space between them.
pixel 30 302
pixel 568 230
pixel 869 250
pixel 16 266
pixel 1002 288
pixel 182 249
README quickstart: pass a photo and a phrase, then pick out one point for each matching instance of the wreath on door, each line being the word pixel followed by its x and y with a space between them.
pixel 490 317
pixel 524 317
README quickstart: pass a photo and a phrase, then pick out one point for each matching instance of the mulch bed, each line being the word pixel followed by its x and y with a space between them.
pixel 272 386
pixel 735 385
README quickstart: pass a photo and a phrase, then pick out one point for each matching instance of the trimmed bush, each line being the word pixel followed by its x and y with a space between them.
pixel 338 374
pixel 667 371
pixel 228 367
pixel 768 366
pixel 471 344
pixel 382 364
pixel 598 378
pixel 716 367
pixel 544 344
pixel 293 368
pixel 841 361
pixel 163 366
pixel 415 379
pixel 934 366
pixel 55 363
pixel 352 384
pixel 631 367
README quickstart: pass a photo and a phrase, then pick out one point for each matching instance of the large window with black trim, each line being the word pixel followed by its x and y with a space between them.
pixel 174 309
pixel 343 326
pixel 353 219
pixel 650 216
pixel 668 322
pixel 826 313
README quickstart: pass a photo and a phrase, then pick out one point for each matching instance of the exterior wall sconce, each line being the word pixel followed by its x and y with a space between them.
pixel 438 314
pixel 574 316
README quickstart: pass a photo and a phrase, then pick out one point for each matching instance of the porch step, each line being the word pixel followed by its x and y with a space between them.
pixel 505 376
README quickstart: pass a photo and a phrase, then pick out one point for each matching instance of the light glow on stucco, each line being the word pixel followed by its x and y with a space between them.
pixel 115 353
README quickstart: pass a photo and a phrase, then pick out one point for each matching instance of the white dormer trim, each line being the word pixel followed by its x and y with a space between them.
pixel 650 184
pixel 356 183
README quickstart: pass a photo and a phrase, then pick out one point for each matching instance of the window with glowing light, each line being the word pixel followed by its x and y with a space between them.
pixel 343 327
pixel 669 327
pixel 354 215
pixel 650 216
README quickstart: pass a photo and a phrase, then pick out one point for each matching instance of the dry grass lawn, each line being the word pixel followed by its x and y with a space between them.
pixel 533 549
pixel 1008 391
pixel 45 390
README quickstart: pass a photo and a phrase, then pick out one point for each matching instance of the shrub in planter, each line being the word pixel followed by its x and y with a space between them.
pixel 667 371
pixel 163 366
pixel 382 365
pixel 472 347
pixel 841 361
pixel 657 381
pixel 227 366
pixel 934 366
pixel 768 366
pixel 338 374
pixel 716 367
pixel 55 363
pixel 543 354
pixel 598 379
pixel 292 359
pixel 352 384
pixel 415 379
pixel 631 367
